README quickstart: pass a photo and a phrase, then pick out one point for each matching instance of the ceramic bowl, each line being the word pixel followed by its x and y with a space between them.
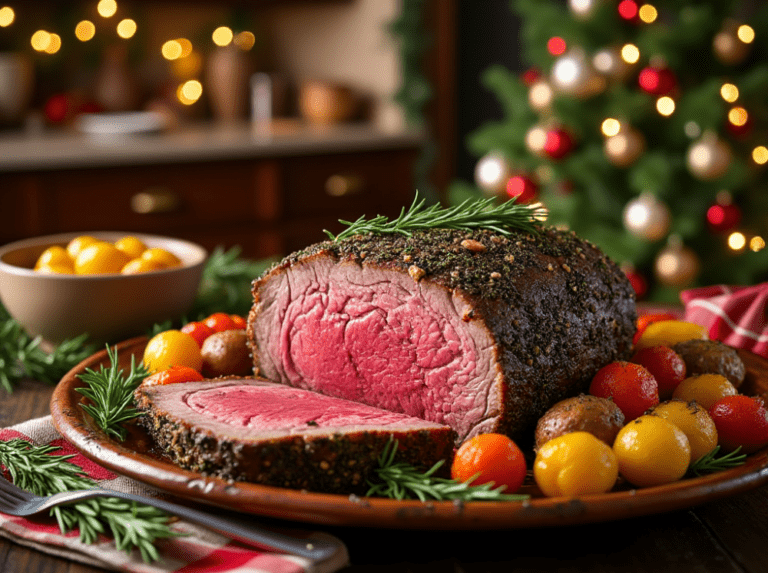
pixel 109 307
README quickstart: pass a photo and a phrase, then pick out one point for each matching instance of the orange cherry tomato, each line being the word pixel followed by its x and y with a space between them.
pixel 197 330
pixel 491 458
pixel 173 375
pixel 239 321
pixel 220 321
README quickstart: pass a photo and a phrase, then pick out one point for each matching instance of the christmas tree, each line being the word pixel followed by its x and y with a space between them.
pixel 644 128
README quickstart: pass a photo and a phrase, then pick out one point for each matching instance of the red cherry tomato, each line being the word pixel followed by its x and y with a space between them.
pixel 238 321
pixel 666 365
pixel 492 458
pixel 646 319
pixel 740 421
pixel 197 330
pixel 631 387
pixel 220 321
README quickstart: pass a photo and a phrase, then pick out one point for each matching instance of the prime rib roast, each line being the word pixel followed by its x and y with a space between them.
pixel 257 431
pixel 475 330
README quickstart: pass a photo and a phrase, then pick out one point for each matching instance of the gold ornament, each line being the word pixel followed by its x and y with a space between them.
pixel 540 96
pixel 491 173
pixel 535 138
pixel 646 217
pixel 572 74
pixel 624 148
pixel 709 158
pixel 730 44
pixel 676 265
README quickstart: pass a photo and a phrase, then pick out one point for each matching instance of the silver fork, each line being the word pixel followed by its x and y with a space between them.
pixel 16 501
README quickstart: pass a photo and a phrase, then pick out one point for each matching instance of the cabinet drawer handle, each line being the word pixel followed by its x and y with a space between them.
pixel 155 200
pixel 343 185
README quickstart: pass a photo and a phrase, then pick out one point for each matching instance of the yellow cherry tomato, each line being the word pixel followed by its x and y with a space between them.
pixel 100 258
pixel 79 243
pixel 172 348
pixel 652 451
pixel 56 269
pixel 136 266
pixel 574 464
pixel 166 258
pixel 55 257
pixel 131 246
pixel 694 421
pixel 669 333
pixel 706 389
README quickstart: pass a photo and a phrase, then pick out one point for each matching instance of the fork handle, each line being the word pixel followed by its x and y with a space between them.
pixel 314 549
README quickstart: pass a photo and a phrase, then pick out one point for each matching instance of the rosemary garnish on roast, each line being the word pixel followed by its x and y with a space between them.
pixel 710 463
pixel 132 525
pixel 501 218
pixel 403 481
pixel 111 392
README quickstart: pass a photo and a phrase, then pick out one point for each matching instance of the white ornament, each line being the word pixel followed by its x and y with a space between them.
pixel 646 217
pixel 582 9
pixel 709 157
pixel 676 265
pixel 573 74
pixel 491 173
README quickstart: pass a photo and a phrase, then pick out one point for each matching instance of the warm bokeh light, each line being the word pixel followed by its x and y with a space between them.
pixel 188 66
pixel 630 53
pixel 186 47
pixel 760 154
pixel 536 138
pixel 692 129
pixel 756 244
pixel 222 36
pixel 85 30
pixel 106 8
pixel 40 40
pixel 746 34
pixel 737 241
pixel 189 92
pixel 738 116
pixel 7 16
pixel 665 106
pixel 540 95
pixel 126 28
pixel 245 40
pixel 729 92
pixel 610 127
pixel 171 50
pixel 54 44
pixel 648 13
pixel 556 46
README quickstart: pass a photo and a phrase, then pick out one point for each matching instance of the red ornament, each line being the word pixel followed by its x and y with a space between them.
pixel 723 218
pixel 531 76
pixel 58 108
pixel 628 10
pixel 556 46
pixel 638 282
pixel 559 143
pixel 522 188
pixel 657 81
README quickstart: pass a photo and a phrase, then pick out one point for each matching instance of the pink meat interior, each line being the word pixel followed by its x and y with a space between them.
pixel 381 338
pixel 274 407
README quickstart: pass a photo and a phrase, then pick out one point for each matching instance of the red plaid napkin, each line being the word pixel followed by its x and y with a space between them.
pixel 735 316
pixel 199 551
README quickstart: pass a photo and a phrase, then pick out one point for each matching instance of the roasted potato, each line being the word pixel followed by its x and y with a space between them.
pixel 226 354
pixel 711 357
pixel 598 416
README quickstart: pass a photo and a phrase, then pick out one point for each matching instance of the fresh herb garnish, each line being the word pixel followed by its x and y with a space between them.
pixel 710 463
pixel 403 481
pixel 132 525
pixel 21 355
pixel 111 392
pixel 470 214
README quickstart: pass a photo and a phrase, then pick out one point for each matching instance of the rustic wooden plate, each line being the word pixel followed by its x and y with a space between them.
pixel 134 458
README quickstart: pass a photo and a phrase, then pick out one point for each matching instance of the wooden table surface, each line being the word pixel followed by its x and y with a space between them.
pixel 729 535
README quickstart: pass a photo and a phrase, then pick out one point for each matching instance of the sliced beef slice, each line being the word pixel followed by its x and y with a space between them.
pixel 257 431
pixel 478 331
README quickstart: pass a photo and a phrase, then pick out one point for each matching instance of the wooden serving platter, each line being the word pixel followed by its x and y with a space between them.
pixel 134 458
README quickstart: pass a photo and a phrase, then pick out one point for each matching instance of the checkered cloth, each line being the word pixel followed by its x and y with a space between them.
pixel 199 550
pixel 735 316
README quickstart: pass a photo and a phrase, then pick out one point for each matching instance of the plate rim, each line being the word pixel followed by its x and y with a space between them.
pixel 77 428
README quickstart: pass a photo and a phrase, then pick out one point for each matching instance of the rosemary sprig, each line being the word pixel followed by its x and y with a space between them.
pixel 403 481
pixel 132 525
pixel 21 355
pixel 470 214
pixel 111 392
pixel 710 463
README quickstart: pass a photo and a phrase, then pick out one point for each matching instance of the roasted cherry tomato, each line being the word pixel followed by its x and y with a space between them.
pixel 631 387
pixel 491 458
pixel 239 321
pixel 173 375
pixel 197 330
pixel 220 321
pixel 694 421
pixel 666 365
pixel 706 389
pixel 741 421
